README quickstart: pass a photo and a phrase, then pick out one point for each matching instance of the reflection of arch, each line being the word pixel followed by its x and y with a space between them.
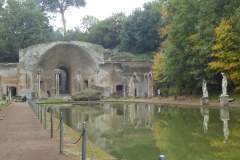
pixel 64 80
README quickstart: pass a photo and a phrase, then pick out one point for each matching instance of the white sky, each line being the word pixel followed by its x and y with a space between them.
pixel 101 9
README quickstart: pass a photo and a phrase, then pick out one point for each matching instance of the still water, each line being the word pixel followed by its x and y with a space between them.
pixel 137 131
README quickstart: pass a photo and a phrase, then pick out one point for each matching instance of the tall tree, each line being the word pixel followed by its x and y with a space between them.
pixel 226 51
pixel 107 32
pixel 140 33
pixel 87 22
pixel 59 6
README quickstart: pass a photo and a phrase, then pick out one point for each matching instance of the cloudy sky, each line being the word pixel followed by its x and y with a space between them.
pixel 100 9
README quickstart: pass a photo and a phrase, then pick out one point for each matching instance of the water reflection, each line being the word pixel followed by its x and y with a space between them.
pixel 205 113
pixel 224 116
pixel 144 131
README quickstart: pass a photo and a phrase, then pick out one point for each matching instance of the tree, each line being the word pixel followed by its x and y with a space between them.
pixel 226 51
pixel 60 6
pixel 140 33
pixel 87 22
pixel 107 32
pixel 22 25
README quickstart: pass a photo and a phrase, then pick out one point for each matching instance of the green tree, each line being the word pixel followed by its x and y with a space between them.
pixel 22 25
pixel 226 51
pixel 87 22
pixel 107 32
pixel 139 34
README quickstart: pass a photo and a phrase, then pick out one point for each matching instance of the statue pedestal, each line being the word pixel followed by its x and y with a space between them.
pixel 204 101
pixel 224 100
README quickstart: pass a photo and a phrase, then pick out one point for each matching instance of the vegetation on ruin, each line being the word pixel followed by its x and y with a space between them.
pixel 90 93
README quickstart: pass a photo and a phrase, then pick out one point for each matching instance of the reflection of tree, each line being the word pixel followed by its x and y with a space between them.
pixel 231 149
pixel 179 135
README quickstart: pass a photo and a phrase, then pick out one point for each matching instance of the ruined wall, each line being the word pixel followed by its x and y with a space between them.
pixel 9 77
pixel 93 62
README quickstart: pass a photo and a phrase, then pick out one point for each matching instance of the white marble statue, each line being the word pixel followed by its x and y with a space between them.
pixel 204 88
pixel 224 84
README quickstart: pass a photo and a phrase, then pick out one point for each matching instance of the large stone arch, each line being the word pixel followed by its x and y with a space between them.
pixel 69 57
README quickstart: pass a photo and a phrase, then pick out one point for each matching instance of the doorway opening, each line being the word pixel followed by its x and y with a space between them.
pixel 64 80
pixel 119 89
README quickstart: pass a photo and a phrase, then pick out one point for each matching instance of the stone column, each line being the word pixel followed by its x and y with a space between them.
pixel 38 83
pixel 96 76
pixel 10 93
pixel 57 72
pixel 124 86
pixel 79 80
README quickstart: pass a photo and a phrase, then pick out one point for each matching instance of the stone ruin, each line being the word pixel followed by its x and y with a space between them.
pixel 60 69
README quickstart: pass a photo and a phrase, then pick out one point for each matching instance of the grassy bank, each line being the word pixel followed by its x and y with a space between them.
pixel 2 102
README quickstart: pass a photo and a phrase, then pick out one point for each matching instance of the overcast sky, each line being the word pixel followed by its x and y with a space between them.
pixel 100 9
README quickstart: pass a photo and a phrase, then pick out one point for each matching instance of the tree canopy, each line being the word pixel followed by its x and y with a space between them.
pixel 21 25
pixel 196 34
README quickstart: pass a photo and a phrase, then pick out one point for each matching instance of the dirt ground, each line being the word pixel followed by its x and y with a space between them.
pixel 192 102
pixel 22 136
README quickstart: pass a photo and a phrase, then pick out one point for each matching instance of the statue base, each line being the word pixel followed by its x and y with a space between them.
pixel 204 101
pixel 224 100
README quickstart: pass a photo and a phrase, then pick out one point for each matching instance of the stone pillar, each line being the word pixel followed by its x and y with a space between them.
pixel 57 72
pixel 38 83
pixel 10 93
pixel 124 86
pixel 224 100
pixel 79 80
pixel 204 101
pixel 96 76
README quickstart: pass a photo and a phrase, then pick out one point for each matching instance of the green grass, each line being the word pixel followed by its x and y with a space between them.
pixel 2 102
pixel 54 101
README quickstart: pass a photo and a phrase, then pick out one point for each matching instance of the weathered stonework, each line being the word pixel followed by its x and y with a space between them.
pixel 81 65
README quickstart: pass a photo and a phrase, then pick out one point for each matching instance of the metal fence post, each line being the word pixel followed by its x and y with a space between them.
pixel 51 125
pixel 45 117
pixel 84 142
pixel 61 134
pixel 161 157
pixel 38 111
pixel 41 114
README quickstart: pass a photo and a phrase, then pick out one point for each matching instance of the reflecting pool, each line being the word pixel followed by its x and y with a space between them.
pixel 138 131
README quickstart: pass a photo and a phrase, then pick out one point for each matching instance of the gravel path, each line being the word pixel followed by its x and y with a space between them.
pixel 22 136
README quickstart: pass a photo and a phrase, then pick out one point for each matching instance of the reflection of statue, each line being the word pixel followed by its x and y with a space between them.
pixel 225 130
pixel 205 123
pixel 224 116
pixel 205 113
pixel 224 84
pixel 204 88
